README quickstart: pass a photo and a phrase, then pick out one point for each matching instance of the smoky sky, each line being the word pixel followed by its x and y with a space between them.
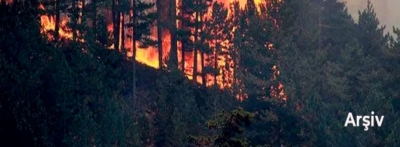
pixel 387 11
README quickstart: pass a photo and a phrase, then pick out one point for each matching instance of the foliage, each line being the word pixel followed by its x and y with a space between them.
pixel 229 127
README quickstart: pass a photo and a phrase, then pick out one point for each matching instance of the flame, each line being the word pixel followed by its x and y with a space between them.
pixel 277 91
pixel 48 24
pixel 149 56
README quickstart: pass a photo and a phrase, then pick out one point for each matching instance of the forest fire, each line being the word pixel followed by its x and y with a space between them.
pixel 48 25
pixel 113 73
pixel 150 55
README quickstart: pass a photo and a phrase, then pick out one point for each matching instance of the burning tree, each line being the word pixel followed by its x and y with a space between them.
pixel 219 30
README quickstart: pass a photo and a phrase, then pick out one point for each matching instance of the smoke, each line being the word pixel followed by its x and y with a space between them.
pixel 387 11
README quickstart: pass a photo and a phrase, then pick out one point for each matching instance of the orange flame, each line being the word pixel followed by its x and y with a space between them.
pixel 48 25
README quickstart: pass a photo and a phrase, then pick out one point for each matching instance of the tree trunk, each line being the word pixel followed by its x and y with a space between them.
pixel 116 23
pixel 223 73
pixel 82 18
pixel 134 51
pixel 234 70
pixel 203 74
pixel 57 27
pixel 216 62
pixel 183 59
pixel 159 35
pixel 196 27
pixel 173 52
pixel 183 42
pixel 94 3
pixel 75 20
pixel 122 28
pixel 134 70
pixel 183 56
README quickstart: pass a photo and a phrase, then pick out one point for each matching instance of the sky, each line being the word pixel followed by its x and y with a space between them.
pixel 387 11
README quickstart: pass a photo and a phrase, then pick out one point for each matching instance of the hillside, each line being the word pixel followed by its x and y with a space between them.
pixel 196 73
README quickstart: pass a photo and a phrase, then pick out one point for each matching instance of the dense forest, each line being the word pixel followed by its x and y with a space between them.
pixel 171 73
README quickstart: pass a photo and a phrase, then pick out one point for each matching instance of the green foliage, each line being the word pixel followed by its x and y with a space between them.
pixel 60 96
pixel 330 72
pixel 229 129
pixel 254 59
pixel 275 125
pixel 178 112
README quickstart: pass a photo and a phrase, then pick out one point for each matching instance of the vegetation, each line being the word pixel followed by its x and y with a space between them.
pixel 277 73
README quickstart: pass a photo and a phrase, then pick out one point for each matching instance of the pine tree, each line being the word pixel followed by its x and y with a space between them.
pixel 116 24
pixel 93 7
pixel 173 54
pixel 57 19
pixel 200 45
pixel 235 41
pixel 301 61
pixel 229 128
pixel 186 19
pixel 392 58
pixel 275 125
pixel 160 27
pixel 335 26
pixel 74 15
pixel 370 35
pixel 60 95
pixel 373 43
pixel 195 47
pixel 141 21
pixel 218 27
pixel 254 58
